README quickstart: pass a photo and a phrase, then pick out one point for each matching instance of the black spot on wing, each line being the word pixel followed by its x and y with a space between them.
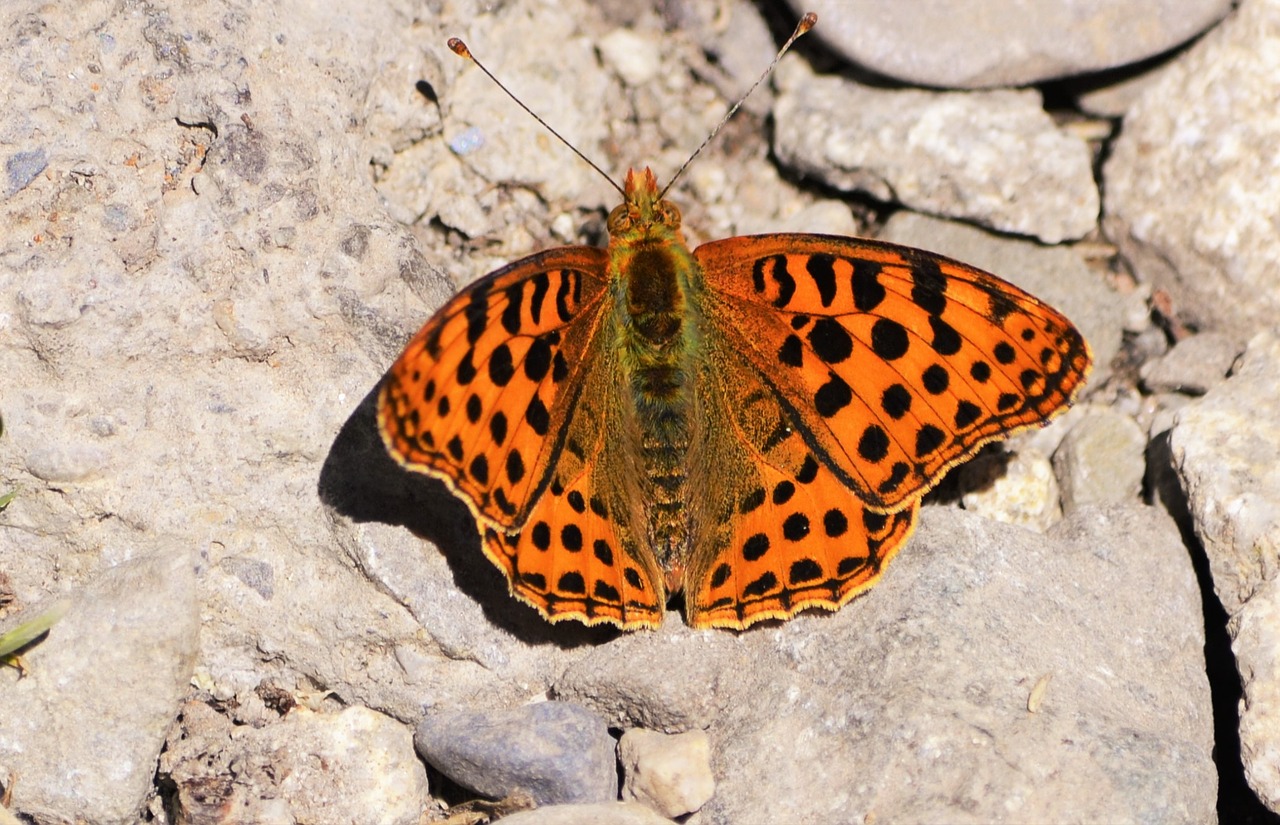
pixel 821 269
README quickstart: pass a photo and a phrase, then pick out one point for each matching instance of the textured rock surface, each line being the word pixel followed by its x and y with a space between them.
pixel 221 220
pixel 1195 365
pixel 80 734
pixel 355 765
pixel 966 156
pixel 1006 42
pixel 669 773
pixel 610 813
pixel 1101 459
pixel 1226 448
pixel 1192 194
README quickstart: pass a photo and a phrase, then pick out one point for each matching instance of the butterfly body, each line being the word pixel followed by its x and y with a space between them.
pixel 650 274
pixel 751 423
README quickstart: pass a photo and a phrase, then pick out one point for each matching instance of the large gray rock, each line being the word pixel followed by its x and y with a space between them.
pixel 994 158
pixel 1226 449
pixel 555 752
pixel 1005 42
pixel 1192 194
pixel 80 734
pixel 913 701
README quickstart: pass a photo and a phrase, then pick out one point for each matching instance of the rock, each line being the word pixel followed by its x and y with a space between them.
pixel 669 773
pixel 1015 489
pixel 1007 42
pixel 1112 95
pixel 22 167
pixel 1191 201
pixel 324 768
pixel 930 674
pixel 629 680
pixel 633 57
pixel 601 813
pixel 995 158
pixel 209 275
pixel 1194 366
pixel 1226 451
pixel 100 693
pixel 1102 460
pixel 557 752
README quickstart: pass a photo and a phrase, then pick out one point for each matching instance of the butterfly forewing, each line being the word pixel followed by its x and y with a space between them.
pixel 895 363
pixel 482 395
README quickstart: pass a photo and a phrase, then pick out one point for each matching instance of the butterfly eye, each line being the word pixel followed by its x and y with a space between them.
pixel 619 219
pixel 669 214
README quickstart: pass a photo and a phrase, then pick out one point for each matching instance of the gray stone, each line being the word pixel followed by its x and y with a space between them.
pixel 913 701
pixel 1102 460
pixel 557 752
pixel 995 158
pixel 671 773
pixel 1226 451
pixel 1192 195
pixel 1005 42
pixel 630 680
pixel 1196 365
pixel 80 734
pixel 22 167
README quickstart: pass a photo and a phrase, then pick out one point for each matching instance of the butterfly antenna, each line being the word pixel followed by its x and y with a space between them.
pixel 807 22
pixel 459 48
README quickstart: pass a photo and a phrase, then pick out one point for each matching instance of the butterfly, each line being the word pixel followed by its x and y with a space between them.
pixel 750 424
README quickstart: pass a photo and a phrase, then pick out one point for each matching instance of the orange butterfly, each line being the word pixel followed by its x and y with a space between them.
pixel 751 424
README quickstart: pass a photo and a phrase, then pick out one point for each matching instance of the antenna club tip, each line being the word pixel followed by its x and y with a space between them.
pixel 459 48
pixel 807 22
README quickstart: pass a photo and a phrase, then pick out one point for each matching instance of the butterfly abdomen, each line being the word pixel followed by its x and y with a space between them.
pixel 657 340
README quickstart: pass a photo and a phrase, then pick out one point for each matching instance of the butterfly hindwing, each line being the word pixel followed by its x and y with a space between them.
pixel 781 532
pixel 482 395
pixel 580 554
pixel 897 363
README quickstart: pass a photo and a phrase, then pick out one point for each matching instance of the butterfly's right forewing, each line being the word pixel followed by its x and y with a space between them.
pixel 482 395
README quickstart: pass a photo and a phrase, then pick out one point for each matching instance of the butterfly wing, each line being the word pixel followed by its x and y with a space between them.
pixel 482 395
pixel 583 551
pixel 495 396
pixel 779 532
pixel 893 363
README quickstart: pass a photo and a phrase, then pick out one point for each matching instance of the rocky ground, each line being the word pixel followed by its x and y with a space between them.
pixel 222 220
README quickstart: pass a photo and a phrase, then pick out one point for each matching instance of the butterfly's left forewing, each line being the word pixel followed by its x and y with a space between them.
pixel 895 363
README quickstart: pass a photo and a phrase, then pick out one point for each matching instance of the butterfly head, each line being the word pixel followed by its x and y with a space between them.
pixel 643 211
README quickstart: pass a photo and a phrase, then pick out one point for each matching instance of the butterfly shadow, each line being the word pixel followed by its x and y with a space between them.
pixel 359 480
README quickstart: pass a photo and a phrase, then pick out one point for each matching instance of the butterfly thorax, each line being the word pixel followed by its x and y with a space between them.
pixel 650 272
